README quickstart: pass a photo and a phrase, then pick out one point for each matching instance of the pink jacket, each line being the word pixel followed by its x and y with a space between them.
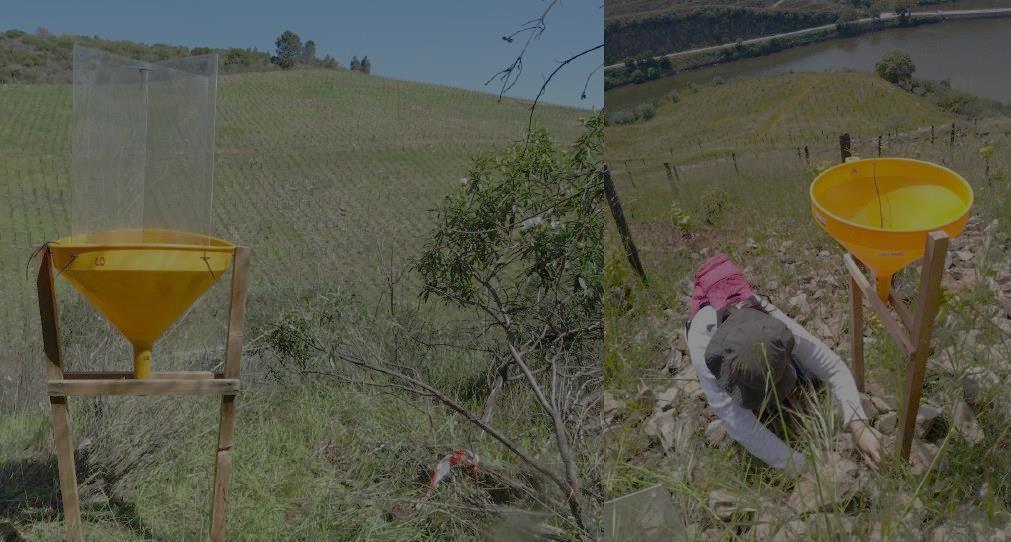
pixel 719 282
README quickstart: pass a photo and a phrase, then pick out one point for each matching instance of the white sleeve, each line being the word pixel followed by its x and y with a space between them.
pixel 818 358
pixel 740 422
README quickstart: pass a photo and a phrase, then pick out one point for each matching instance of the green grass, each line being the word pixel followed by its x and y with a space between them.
pixel 769 114
pixel 758 211
pixel 329 176
pixel 321 172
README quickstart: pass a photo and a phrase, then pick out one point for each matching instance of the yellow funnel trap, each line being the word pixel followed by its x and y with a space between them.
pixel 142 182
pixel 142 288
pixel 882 209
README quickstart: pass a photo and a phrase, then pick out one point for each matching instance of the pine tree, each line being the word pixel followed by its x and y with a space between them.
pixel 366 65
pixel 289 49
pixel 355 65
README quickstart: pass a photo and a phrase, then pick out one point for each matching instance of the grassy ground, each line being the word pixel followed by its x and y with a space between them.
pixel 741 187
pixel 329 176
pixel 766 115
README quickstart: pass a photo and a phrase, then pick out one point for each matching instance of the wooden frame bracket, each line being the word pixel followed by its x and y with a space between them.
pixel 62 385
pixel 919 323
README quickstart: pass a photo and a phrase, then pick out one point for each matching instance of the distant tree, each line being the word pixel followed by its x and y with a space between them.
pixel 846 23
pixel 896 67
pixel 903 11
pixel 366 65
pixel 652 72
pixel 42 32
pixel 638 76
pixel 309 51
pixel 289 49
pixel 355 64
pixel 201 51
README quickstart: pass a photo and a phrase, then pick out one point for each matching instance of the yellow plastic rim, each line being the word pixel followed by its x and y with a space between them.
pixel 881 210
pixel 141 287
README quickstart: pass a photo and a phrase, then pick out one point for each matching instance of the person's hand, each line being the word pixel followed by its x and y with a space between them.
pixel 868 441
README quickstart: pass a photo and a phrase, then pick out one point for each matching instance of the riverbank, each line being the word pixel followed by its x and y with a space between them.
pixel 651 68
pixel 958 52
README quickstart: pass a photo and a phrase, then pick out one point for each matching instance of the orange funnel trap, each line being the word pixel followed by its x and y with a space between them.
pixel 882 209
pixel 141 287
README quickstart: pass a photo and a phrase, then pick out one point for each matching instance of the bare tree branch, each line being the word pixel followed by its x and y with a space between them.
pixel 544 86
pixel 534 28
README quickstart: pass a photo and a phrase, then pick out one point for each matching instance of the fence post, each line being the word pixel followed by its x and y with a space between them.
pixel 670 176
pixel 619 220
pixel 628 171
pixel 844 147
pixel 952 142
pixel 879 146
pixel 931 134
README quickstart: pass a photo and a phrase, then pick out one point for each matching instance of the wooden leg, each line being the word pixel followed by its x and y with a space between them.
pixel 226 427
pixel 68 475
pixel 923 329
pixel 857 332
pixel 223 467
pixel 49 318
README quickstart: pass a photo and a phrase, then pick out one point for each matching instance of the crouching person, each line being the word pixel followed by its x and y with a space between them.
pixel 750 358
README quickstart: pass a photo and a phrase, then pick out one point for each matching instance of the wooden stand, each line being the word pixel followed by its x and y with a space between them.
pixel 64 384
pixel 920 326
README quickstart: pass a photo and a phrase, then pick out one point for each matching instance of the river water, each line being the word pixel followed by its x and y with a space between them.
pixel 974 54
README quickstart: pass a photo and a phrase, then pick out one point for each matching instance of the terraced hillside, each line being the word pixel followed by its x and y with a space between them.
pixel 632 9
pixel 771 113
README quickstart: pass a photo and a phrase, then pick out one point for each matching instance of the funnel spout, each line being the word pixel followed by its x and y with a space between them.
pixel 884 286
pixel 142 361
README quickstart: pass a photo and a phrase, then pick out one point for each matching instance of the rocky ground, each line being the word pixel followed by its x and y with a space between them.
pixel 967 374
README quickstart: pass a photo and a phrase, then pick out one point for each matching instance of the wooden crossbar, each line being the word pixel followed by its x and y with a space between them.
pixel 901 309
pixel 122 375
pixel 154 386
pixel 870 295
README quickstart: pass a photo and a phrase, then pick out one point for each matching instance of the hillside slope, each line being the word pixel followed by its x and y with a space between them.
pixel 321 172
pixel 738 183
pixel 329 176
pixel 637 9
pixel 768 113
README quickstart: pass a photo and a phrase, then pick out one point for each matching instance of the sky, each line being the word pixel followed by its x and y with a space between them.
pixel 456 43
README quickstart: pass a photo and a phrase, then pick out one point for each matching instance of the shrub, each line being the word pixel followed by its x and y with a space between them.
pixel 621 117
pixel 645 111
pixel 653 72
pixel 681 220
pixel 714 203
pixel 961 103
pixel 637 76
pixel 896 67
pixel 673 96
